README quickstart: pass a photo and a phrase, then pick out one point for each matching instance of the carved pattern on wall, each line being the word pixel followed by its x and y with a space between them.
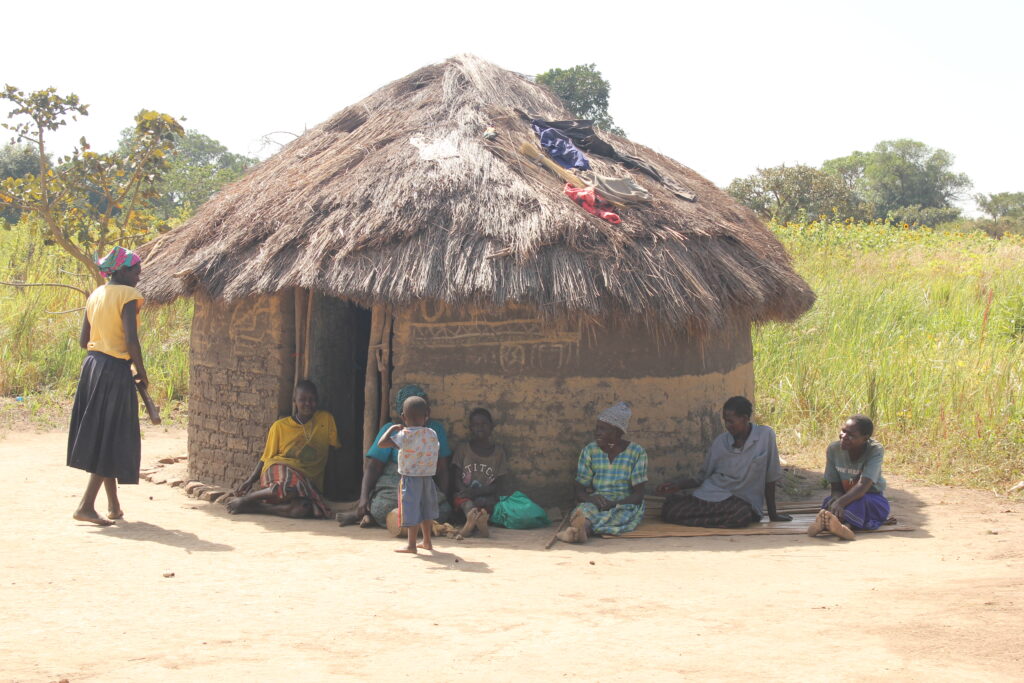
pixel 249 327
pixel 519 344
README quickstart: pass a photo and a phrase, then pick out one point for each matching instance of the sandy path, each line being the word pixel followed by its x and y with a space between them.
pixel 267 599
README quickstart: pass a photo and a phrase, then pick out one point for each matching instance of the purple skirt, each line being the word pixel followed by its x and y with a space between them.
pixel 869 512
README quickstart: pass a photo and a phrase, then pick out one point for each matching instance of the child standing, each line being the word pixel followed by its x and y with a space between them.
pixel 478 464
pixel 417 447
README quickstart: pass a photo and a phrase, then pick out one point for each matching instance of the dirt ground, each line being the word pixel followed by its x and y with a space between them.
pixel 259 598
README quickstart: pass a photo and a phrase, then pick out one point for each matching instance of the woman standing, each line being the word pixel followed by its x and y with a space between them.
pixel 853 468
pixel 104 437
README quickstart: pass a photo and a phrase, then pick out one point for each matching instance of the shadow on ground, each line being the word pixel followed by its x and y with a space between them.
pixel 144 531
pixel 800 486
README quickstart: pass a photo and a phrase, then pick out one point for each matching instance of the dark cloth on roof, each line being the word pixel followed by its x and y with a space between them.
pixel 592 203
pixel 560 148
pixel 585 137
pixel 623 190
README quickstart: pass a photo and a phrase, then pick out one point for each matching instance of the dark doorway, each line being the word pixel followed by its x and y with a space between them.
pixel 339 339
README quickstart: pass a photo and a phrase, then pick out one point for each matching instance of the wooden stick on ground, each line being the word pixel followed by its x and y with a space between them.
pixel 554 537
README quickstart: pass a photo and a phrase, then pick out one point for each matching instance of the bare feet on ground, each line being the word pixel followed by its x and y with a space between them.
pixel 115 514
pixel 819 524
pixel 92 517
pixel 481 523
pixel 346 518
pixel 838 528
pixel 407 550
pixel 579 523
pixel 568 535
pixel 471 523
pixel 426 545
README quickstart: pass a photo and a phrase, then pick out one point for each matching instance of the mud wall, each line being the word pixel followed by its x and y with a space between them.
pixel 242 370
pixel 545 382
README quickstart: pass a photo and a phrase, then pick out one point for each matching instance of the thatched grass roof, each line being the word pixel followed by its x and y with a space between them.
pixel 357 208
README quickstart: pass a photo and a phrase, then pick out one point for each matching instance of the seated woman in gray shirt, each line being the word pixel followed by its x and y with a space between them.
pixel 853 467
pixel 737 479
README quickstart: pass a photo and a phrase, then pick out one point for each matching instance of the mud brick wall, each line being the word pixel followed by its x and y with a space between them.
pixel 545 383
pixel 242 369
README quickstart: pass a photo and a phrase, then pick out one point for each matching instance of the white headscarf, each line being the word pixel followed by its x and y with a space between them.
pixel 617 416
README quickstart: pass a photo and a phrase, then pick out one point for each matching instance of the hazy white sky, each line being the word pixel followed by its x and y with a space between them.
pixel 723 87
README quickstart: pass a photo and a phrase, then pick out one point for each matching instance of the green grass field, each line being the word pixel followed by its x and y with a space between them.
pixel 922 330
pixel 39 353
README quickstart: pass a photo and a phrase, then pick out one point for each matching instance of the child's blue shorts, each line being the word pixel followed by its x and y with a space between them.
pixel 417 500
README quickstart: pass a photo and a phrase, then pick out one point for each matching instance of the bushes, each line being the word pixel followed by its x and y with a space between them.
pixel 39 349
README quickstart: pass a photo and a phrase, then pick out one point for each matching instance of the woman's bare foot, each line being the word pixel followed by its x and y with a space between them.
pixel 404 549
pixel 819 524
pixel 346 518
pixel 579 523
pixel 836 526
pixel 239 505
pixel 568 535
pixel 92 517
pixel 365 522
pixel 481 523
pixel 470 525
pixel 426 545
pixel 115 514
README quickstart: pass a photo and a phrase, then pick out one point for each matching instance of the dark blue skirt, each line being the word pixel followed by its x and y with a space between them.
pixel 104 436
pixel 869 512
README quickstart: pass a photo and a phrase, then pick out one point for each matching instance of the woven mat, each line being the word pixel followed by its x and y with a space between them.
pixel 658 529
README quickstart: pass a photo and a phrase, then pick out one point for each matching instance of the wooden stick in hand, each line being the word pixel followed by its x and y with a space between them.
pixel 151 409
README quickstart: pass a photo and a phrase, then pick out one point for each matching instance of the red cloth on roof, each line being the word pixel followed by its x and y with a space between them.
pixel 593 203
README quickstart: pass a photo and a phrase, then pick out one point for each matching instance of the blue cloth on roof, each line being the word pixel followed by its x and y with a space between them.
pixel 559 147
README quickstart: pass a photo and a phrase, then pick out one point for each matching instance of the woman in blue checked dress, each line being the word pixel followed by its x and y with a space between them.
pixel 610 480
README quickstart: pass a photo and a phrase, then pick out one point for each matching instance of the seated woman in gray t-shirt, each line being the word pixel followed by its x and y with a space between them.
pixel 737 480
pixel 853 468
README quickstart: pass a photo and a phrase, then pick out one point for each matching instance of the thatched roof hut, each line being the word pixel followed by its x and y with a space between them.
pixel 400 205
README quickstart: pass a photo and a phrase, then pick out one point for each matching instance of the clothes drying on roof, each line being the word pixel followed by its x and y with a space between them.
pixel 586 138
pixel 623 190
pixel 592 203
pixel 560 148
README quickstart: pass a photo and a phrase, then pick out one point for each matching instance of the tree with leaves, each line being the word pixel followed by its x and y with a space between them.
pixel 87 201
pixel 1002 204
pixel 197 167
pixel 16 161
pixel 901 173
pixel 788 193
pixel 584 92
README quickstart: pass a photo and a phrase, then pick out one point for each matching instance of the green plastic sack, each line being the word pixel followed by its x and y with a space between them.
pixel 519 512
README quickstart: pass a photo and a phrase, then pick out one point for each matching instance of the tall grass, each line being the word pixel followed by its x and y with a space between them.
pixel 39 352
pixel 921 330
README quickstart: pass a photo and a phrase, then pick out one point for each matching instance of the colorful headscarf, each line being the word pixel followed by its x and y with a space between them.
pixel 116 259
pixel 617 416
pixel 405 392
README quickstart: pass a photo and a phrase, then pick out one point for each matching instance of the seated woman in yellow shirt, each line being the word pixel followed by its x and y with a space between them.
pixel 291 470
